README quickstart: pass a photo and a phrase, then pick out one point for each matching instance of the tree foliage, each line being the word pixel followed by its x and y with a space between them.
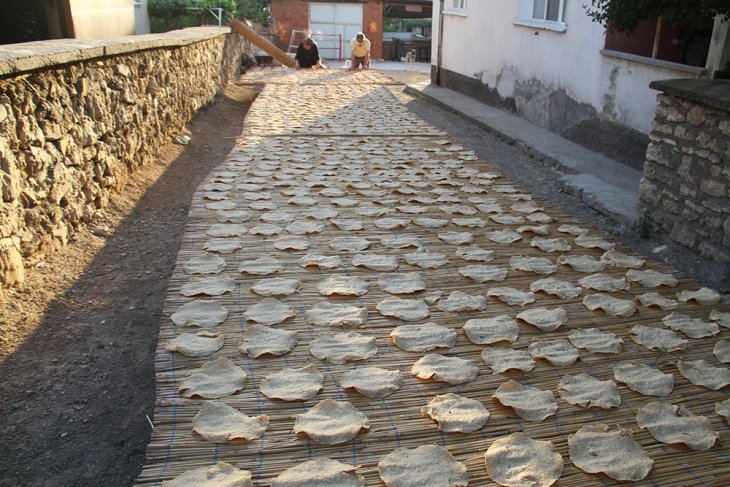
pixel 167 15
pixel 625 15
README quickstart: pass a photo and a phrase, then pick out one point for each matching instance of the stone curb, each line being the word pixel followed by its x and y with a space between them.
pixel 30 56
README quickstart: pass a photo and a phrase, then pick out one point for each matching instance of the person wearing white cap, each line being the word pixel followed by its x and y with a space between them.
pixel 360 48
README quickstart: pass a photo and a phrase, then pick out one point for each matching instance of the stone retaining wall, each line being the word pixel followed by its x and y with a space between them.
pixel 78 117
pixel 685 189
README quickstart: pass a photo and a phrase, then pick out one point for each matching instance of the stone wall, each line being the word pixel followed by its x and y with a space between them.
pixel 685 189
pixel 78 117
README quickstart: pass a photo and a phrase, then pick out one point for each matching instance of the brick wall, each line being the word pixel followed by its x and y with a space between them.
pixel 372 27
pixel 685 194
pixel 292 15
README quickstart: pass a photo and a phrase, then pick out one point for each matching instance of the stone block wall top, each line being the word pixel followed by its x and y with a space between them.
pixel 30 56
pixel 713 93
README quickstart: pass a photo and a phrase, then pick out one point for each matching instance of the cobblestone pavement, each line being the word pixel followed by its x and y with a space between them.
pixel 341 216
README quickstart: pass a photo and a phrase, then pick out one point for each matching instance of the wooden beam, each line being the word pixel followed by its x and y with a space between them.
pixel 263 44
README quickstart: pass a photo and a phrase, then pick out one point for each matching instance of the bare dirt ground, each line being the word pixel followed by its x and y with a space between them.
pixel 77 343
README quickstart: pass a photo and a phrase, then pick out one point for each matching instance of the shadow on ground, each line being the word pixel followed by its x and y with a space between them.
pixel 75 395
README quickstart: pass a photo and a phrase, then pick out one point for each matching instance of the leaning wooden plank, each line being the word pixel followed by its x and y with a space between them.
pixel 262 43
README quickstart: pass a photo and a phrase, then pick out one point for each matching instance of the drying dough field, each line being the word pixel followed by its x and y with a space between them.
pixel 348 264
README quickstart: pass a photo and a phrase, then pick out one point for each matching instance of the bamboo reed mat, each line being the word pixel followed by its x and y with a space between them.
pixel 407 166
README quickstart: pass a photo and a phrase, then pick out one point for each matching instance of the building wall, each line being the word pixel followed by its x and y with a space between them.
pixel 555 79
pixel 99 19
pixel 76 118
pixel 292 15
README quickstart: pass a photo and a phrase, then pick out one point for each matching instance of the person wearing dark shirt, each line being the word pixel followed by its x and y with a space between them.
pixel 307 54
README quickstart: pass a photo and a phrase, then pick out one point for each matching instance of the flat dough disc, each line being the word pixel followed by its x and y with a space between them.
pixel 676 424
pixel 651 278
pixel 305 227
pixel 208 286
pixel 485 331
pixel 289 242
pixel 511 296
pixel 657 338
pixel 392 223
pixel 582 263
pixel 195 344
pixel 262 266
pixel 268 311
pixel 501 359
pixel 218 423
pixel 401 283
pixel 343 286
pixel 213 380
pixel 426 260
pixel 538 265
pixel 233 216
pixel 557 352
pixel 259 340
pixel 475 253
pixel 592 242
pixel 293 384
pixel 372 381
pixel 266 229
pixel 615 258
pixel 545 319
pixel 723 409
pixel 205 264
pixel 276 286
pixel 376 262
pixel 220 474
pixel 644 379
pixel 348 224
pixel 425 466
pixel 223 245
pixel 556 287
pixel 519 461
pixel 701 373
pixel 595 341
pixel 456 238
pixel 484 273
pixel 506 236
pixel 201 313
pixel 573 230
pixel 331 422
pixel 453 370
pixel 319 472
pixel 401 242
pixel 460 301
pixel 324 262
pixel 604 282
pixel 404 309
pixel 226 230
pixel 455 413
pixel 339 348
pixel 610 305
pixel 550 244
pixel 722 319
pixel 692 327
pixel 722 351
pixel 326 313
pixel 423 337
pixel 588 392
pixel 656 299
pixel 351 244
pixel 430 222
pixel 595 449
pixel 529 403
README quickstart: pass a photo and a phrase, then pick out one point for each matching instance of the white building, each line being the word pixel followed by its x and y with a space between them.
pixel 550 63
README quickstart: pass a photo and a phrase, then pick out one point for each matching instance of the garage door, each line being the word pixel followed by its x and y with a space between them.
pixel 334 18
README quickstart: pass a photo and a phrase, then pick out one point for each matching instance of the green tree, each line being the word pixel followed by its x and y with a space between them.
pixel 255 10
pixel 625 15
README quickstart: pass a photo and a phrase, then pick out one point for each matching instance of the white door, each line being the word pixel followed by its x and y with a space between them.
pixel 344 19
